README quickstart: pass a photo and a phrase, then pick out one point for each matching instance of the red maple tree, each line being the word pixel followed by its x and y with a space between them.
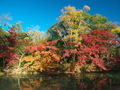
pixel 94 49
pixel 8 47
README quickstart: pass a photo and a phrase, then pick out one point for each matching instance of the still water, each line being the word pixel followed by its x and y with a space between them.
pixel 84 81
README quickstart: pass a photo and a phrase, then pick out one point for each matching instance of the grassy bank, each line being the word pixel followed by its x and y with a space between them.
pixel 1 73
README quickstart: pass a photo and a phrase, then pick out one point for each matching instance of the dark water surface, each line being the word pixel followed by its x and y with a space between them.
pixel 84 81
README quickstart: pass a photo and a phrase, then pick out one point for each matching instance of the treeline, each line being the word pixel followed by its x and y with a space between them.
pixel 78 42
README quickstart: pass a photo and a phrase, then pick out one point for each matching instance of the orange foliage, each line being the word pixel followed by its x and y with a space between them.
pixel 41 58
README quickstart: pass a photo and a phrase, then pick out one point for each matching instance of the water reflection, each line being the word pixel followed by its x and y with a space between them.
pixel 86 81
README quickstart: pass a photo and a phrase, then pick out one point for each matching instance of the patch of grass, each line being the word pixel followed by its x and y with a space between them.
pixel 1 73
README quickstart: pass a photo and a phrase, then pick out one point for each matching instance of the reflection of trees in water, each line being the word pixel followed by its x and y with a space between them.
pixel 99 85
pixel 62 82
pixel 41 83
pixel 99 82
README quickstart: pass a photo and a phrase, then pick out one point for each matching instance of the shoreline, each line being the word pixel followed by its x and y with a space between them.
pixel 51 72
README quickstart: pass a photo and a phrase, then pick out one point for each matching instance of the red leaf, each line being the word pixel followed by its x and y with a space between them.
pixel 50 42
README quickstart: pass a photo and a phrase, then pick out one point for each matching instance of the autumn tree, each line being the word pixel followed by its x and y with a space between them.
pixel 12 47
pixel 97 44
pixel 41 57
pixel 8 47
pixel 95 51
pixel 70 25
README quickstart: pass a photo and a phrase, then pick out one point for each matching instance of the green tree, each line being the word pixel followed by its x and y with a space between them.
pixel 98 21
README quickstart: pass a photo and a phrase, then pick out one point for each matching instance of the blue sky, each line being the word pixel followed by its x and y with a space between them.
pixel 45 12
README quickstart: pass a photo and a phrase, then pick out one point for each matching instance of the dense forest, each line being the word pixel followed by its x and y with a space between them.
pixel 78 42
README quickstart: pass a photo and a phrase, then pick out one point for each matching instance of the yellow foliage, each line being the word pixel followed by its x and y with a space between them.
pixel 26 38
pixel 74 22
pixel 116 30
pixel 86 8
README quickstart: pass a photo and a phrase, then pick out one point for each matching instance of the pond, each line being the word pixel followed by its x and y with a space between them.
pixel 84 81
